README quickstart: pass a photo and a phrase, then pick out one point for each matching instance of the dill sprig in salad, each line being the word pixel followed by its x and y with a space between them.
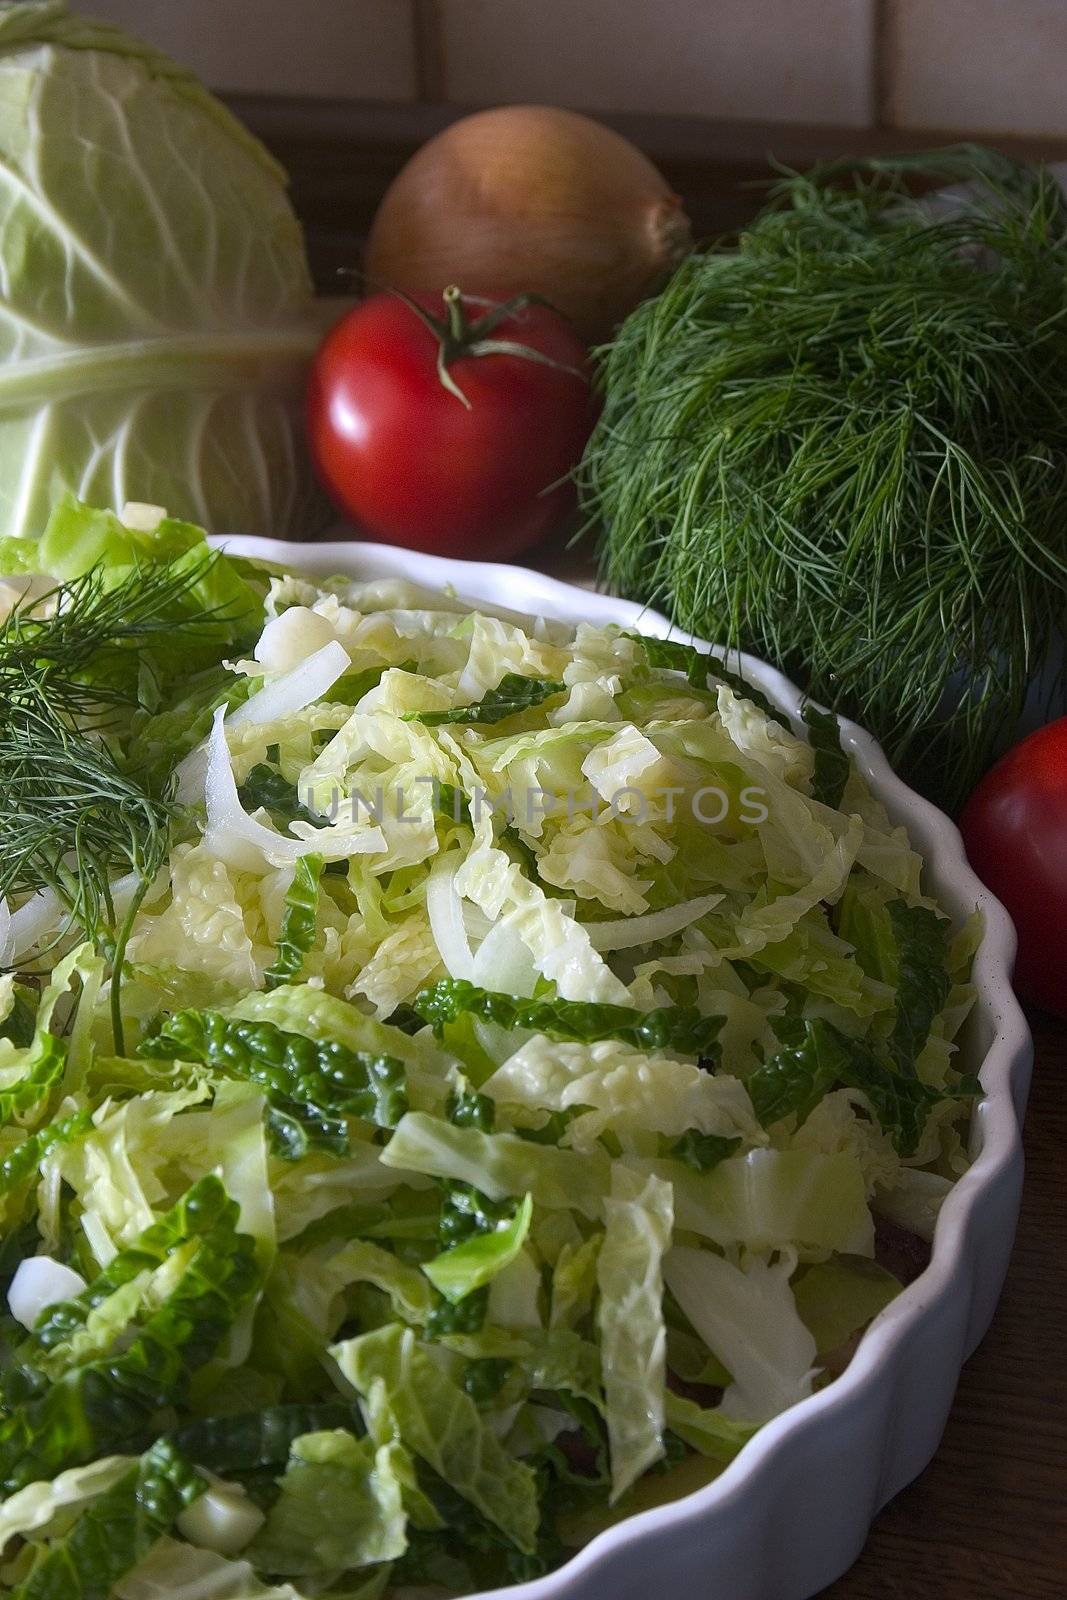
pixel 452 1066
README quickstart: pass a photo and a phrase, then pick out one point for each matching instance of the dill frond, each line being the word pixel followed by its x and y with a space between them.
pixel 73 815
pixel 79 646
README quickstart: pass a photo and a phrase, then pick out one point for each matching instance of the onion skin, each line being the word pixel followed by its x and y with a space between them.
pixel 531 200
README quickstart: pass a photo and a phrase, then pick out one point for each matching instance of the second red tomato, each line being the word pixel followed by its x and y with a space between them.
pixel 1015 829
pixel 450 431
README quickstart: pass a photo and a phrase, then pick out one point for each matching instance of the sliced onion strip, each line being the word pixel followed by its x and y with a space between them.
pixel 626 932
pixel 238 839
pixel 444 908
pixel 41 914
pixel 292 692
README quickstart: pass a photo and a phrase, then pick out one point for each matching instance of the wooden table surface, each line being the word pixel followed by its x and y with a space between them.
pixel 988 1519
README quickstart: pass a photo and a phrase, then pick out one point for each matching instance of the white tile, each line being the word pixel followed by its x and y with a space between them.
pixel 777 60
pixel 354 49
pixel 995 65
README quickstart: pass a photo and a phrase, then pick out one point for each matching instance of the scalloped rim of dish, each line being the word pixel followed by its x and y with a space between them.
pixel 1004 1072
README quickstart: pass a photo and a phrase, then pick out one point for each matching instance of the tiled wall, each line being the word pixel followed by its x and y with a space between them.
pixel 347 49
pixel 993 65
pixel 787 60
pixel 996 64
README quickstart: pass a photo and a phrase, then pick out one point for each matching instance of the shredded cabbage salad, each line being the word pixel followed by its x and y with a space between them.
pixel 525 1068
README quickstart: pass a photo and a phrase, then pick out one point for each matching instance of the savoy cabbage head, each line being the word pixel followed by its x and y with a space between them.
pixel 156 315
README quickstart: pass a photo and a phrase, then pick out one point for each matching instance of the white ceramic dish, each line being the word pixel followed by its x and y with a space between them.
pixel 792 1511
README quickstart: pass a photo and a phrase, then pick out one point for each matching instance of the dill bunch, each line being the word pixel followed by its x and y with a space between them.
pixel 843 445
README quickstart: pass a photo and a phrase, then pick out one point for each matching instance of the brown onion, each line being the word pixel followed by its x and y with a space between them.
pixel 531 199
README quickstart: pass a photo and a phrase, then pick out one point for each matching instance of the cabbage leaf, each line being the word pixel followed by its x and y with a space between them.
pixel 340 1506
pixel 298 923
pixel 748 1318
pixel 477 1260
pixel 112 1535
pixel 680 1029
pixel 153 348
pixel 441 1424
pixel 633 1340
pixel 103 1403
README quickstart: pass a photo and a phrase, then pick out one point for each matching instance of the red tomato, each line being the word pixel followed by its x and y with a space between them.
pixel 411 463
pixel 1015 829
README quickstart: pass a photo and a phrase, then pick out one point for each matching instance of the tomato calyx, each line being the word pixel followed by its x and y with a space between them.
pixel 458 336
